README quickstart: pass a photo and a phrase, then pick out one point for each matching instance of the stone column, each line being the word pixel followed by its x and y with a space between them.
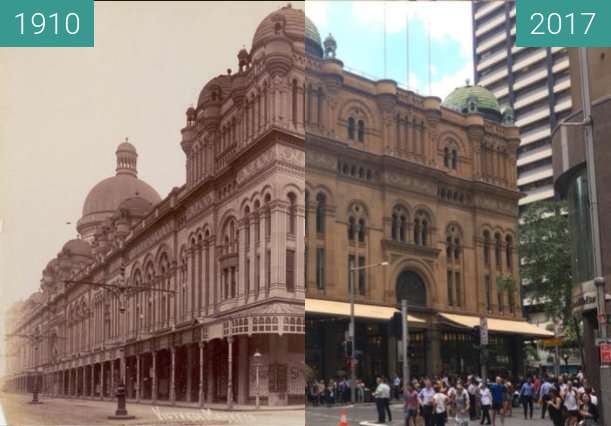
pixel 84 381
pixel 102 380
pixel 138 390
pixel 210 373
pixel 112 379
pixel 278 249
pixel 252 256
pixel 201 375
pixel 243 229
pixel 300 250
pixel 434 350
pixel 92 381
pixel 189 376
pixel 243 378
pixel 230 372
pixel 154 378
pixel 173 375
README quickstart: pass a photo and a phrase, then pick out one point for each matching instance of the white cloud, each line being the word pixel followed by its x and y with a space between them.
pixel 317 11
pixel 444 86
pixel 443 19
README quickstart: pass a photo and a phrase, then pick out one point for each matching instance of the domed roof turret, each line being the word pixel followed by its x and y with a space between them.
pixel 215 90
pixel 294 24
pixel 77 247
pixel 136 206
pixel 105 198
pixel 474 99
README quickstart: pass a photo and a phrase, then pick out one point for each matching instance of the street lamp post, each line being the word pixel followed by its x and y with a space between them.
pixel 351 330
pixel 257 356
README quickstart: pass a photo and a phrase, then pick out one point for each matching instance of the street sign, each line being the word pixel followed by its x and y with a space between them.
pixel 605 353
pixel 483 334
pixel 550 343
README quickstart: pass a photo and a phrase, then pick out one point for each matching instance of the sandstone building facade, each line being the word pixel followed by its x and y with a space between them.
pixel 429 187
pixel 201 280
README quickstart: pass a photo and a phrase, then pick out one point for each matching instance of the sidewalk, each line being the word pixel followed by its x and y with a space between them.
pixel 182 404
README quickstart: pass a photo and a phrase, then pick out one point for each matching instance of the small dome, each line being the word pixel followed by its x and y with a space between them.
pixel 294 24
pixel 126 147
pixel 484 101
pixel 216 89
pixel 136 206
pixel 77 247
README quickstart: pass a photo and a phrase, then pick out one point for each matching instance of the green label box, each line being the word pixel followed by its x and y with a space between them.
pixel 566 23
pixel 46 23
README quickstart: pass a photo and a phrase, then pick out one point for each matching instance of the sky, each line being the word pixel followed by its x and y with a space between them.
pixel 63 111
pixel 358 28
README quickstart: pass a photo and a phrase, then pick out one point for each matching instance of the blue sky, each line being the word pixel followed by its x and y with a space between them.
pixel 358 28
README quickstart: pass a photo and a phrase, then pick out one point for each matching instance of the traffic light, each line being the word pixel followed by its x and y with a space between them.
pixel 396 325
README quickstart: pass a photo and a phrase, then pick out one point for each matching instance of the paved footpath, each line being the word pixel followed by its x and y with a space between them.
pixel 16 411
pixel 365 415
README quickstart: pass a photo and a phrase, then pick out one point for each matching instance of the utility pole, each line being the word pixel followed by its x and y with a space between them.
pixel 404 343
pixel 599 280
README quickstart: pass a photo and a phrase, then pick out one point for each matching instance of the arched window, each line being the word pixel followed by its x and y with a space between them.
pixel 497 250
pixel 446 157
pixel 361 131
pixel 421 228
pixel 509 252
pixel 351 128
pixel 351 228
pixel 399 224
pixel 454 265
pixel 361 230
pixel 292 216
pixel 486 248
pixel 410 287
pixel 321 201
pixel 454 159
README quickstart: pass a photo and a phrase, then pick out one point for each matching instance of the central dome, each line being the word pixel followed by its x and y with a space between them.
pixel 106 197
pixel 481 99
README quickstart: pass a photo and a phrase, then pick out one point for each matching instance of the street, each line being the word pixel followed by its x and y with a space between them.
pixel 16 411
pixel 365 414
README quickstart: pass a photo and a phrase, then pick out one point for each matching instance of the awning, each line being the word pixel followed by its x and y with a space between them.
pixel 499 325
pixel 342 309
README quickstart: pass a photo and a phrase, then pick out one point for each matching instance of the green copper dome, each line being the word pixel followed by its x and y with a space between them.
pixel 311 32
pixel 313 43
pixel 483 101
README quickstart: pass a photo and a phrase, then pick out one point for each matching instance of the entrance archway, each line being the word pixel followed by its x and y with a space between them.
pixel 411 287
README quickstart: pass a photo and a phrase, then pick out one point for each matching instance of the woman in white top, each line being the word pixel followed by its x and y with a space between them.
pixel 486 403
pixel 440 407
pixel 571 405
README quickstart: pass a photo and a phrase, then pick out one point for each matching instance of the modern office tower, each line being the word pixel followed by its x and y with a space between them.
pixel 534 82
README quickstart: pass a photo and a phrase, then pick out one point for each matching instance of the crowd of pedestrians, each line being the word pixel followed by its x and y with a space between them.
pixel 564 400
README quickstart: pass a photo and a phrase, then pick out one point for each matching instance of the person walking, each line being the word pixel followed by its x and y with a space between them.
pixel 386 398
pixel 411 405
pixel 527 392
pixel 498 391
pixel 378 394
pixel 569 397
pixel 440 406
pixel 486 403
pixel 554 406
pixel 461 405
pixel 588 411
pixel 425 398
pixel 472 389
pixel 544 395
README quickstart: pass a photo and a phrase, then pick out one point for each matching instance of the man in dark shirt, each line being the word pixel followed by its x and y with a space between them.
pixel 498 390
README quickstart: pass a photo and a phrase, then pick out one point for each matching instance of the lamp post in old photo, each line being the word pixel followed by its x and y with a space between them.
pixel 257 356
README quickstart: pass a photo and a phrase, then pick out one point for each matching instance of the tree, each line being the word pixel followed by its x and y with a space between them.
pixel 545 267
pixel 545 252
